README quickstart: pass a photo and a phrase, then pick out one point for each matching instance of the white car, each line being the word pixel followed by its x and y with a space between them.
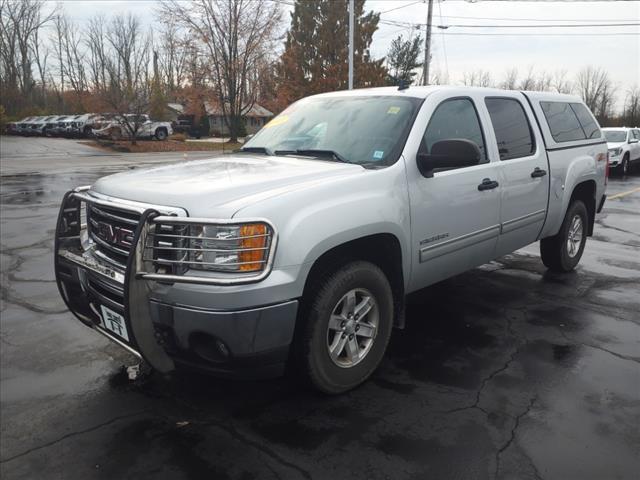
pixel 624 147
pixel 120 128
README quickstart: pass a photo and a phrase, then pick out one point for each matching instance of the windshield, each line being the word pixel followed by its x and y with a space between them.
pixel 362 130
pixel 615 136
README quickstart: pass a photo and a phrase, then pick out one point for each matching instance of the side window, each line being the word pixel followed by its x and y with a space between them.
pixel 636 134
pixel 512 128
pixel 455 118
pixel 585 118
pixel 563 123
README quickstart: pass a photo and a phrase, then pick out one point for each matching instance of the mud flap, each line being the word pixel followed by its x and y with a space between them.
pixel 136 300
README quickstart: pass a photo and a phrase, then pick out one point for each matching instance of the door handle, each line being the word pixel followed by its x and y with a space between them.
pixel 487 184
pixel 538 172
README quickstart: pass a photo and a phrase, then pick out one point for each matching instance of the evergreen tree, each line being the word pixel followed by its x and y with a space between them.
pixel 402 59
pixel 316 52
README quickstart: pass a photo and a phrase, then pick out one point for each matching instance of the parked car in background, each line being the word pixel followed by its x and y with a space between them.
pixel 23 126
pixel 36 127
pixel 624 148
pixel 120 128
pixel 11 128
pixel 300 248
pixel 51 125
pixel 186 124
pixel 83 125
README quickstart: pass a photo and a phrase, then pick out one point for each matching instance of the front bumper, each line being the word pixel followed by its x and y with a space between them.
pixel 243 342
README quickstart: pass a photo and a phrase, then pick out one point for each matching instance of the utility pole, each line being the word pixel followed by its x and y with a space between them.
pixel 427 46
pixel 350 44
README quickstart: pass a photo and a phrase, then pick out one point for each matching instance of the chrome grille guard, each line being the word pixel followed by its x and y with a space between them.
pixel 74 266
pixel 86 280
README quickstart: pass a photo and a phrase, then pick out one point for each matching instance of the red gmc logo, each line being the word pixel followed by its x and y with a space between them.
pixel 122 237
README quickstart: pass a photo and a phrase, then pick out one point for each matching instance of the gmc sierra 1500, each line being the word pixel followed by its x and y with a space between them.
pixel 300 248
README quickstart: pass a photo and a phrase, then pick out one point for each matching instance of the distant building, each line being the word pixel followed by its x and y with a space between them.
pixel 255 118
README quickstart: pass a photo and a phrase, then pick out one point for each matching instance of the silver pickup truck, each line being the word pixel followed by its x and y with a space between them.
pixel 299 249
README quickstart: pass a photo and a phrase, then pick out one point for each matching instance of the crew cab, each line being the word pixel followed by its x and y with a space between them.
pixel 624 148
pixel 129 125
pixel 300 248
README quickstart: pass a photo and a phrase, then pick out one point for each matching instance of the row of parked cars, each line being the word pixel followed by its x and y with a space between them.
pixel 101 125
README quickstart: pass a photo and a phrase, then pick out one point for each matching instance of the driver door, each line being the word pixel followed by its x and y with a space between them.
pixel 455 221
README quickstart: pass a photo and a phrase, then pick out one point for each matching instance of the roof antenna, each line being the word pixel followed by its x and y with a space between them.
pixel 403 85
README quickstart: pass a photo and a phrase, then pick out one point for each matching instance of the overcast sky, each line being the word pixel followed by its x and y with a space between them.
pixel 458 49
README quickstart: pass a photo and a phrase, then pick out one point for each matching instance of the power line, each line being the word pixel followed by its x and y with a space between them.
pixel 400 23
pixel 398 8
pixel 539 19
pixel 517 34
pixel 542 26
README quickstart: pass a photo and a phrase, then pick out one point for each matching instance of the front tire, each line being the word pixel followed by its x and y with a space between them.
pixel 624 166
pixel 345 327
pixel 161 134
pixel 562 252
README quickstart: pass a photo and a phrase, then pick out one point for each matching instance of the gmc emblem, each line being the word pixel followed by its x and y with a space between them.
pixel 120 236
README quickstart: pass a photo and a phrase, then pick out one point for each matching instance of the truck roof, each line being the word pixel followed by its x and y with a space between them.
pixel 422 92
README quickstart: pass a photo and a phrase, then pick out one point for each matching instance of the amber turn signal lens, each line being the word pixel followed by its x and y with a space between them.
pixel 253 244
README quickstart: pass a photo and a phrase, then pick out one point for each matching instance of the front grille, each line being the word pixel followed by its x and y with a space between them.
pixel 112 230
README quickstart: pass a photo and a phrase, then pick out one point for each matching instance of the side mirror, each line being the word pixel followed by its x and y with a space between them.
pixel 633 140
pixel 450 153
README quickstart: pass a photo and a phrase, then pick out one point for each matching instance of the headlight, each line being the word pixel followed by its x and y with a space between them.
pixel 235 248
pixel 615 151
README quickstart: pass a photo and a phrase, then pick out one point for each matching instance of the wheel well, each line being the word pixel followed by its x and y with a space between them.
pixel 586 191
pixel 381 249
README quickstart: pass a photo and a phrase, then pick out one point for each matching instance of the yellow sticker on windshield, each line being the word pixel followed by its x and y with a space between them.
pixel 393 110
pixel 279 120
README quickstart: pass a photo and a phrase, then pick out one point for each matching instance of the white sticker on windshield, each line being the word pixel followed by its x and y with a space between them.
pixel 378 154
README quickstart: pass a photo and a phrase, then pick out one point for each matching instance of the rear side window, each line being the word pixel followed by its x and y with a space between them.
pixel 585 118
pixel 512 128
pixel 455 118
pixel 562 120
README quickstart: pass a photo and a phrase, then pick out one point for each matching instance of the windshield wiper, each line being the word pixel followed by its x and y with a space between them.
pixel 316 152
pixel 265 150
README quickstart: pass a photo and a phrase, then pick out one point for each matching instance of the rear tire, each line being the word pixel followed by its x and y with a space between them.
pixel 562 252
pixel 345 326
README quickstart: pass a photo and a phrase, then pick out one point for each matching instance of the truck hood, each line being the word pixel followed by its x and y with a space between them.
pixel 615 144
pixel 221 186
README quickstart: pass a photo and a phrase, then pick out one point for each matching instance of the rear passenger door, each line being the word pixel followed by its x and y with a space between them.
pixel 523 170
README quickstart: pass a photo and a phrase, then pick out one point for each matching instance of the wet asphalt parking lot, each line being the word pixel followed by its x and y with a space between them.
pixel 506 371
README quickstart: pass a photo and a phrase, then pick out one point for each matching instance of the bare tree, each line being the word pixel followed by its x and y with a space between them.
pixel 477 78
pixel 234 35
pixel 631 113
pixel 20 25
pixel 510 81
pixel 71 57
pixel 127 68
pixel 595 88
pixel 543 82
pixel 173 53
pixel 560 83
pixel 528 82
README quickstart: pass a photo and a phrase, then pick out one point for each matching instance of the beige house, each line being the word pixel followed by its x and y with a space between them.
pixel 255 118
